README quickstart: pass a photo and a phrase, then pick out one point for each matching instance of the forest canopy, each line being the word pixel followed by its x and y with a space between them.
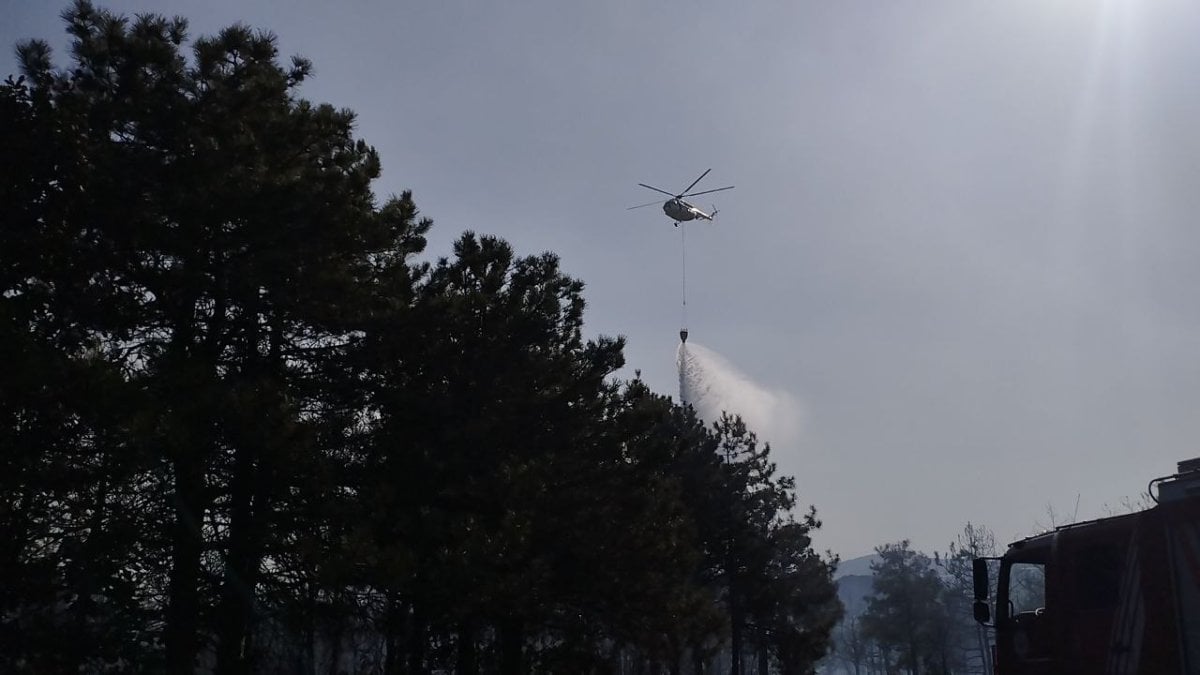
pixel 244 429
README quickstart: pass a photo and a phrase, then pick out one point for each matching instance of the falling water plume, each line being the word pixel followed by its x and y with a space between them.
pixel 712 386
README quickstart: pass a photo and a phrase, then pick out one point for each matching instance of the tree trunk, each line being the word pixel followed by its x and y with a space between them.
pixel 416 641
pixel 183 593
pixel 335 648
pixel 512 640
pixel 234 654
pixel 914 654
pixel 394 623
pixel 186 366
pixel 735 635
pixel 468 663
pixel 310 629
pixel 249 488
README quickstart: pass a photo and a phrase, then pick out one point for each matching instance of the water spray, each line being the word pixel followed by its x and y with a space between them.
pixel 712 385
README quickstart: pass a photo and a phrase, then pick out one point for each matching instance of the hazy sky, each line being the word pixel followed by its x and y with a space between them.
pixel 963 242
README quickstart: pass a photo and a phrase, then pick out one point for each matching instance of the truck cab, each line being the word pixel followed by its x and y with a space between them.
pixel 1114 595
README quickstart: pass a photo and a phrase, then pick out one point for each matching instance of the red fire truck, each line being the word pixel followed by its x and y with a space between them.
pixel 1114 596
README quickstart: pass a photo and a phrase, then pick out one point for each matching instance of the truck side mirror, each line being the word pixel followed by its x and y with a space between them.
pixel 979 577
pixel 982 611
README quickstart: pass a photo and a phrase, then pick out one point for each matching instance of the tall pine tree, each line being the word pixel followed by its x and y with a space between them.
pixel 212 231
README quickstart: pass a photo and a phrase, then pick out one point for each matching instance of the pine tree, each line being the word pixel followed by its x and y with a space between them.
pixel 795 604
pixel 487 407
pixel 214 231
pixel 905 614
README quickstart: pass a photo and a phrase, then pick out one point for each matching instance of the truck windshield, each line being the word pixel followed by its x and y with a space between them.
pixel 1026 587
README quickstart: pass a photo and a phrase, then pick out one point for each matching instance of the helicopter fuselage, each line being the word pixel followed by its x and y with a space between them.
pixel 681 211
pixel 678 209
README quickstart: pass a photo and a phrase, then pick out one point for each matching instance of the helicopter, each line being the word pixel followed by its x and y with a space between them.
pixel 677 208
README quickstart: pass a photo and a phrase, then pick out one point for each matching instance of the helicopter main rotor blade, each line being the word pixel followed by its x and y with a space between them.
pixel 694 182
pixel 693 194
pixel 639 206
pixel 669 194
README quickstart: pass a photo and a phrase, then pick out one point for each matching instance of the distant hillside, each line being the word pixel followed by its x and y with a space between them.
pixel 853 590
pixel 855 566
pixel 854 579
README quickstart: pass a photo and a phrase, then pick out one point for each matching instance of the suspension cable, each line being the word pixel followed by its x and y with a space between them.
pixel 683 266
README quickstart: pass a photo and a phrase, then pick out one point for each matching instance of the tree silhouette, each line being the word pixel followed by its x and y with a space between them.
pixel 905 614
pixel 244 430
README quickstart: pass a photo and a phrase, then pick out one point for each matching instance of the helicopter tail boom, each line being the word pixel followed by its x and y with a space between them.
pixel 700 214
